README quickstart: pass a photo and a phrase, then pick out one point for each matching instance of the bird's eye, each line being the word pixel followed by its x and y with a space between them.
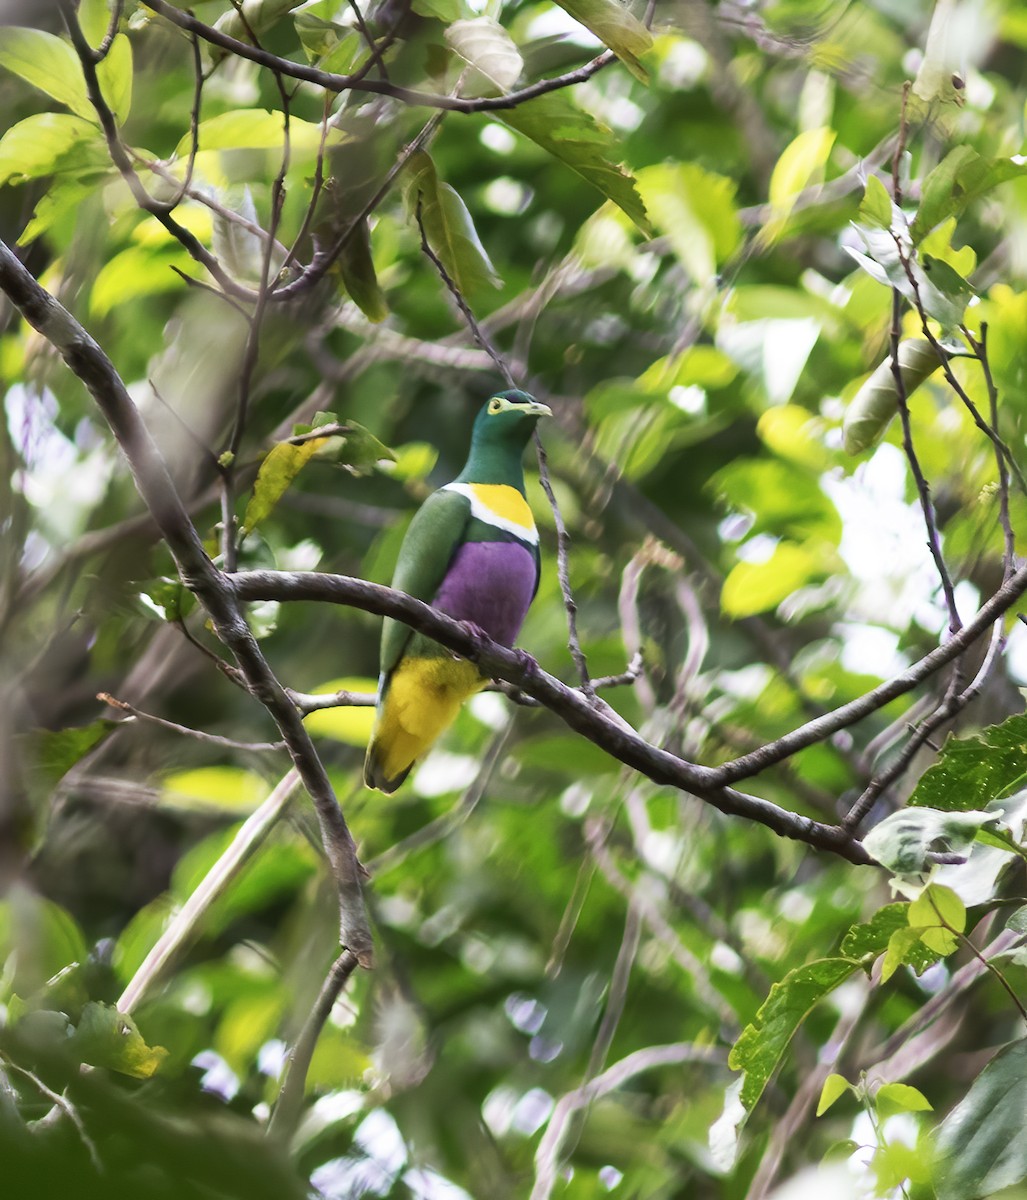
pixel 495 404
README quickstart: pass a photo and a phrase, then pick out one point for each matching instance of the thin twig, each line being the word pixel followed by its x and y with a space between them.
pixel 562 537
pixel 547 1157
pixel 187 922
pixel 953 703
pixel 563 542
pixel 212 587
pixel 290 1099
pixel 61 1104
pixel 922 487
pixel 213 738
pixel 357 82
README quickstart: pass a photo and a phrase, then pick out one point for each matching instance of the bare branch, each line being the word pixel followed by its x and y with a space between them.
pixel 199 734
pixel 290 1098
pixel 211 586
pixel 613 735
pixel 548 1153
pixel 187 922
pixel 357 82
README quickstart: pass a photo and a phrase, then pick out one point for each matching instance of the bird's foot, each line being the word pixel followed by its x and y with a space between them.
pixel 479 635
pixel 527 663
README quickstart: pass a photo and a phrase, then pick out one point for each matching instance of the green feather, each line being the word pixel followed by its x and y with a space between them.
pixel 435 534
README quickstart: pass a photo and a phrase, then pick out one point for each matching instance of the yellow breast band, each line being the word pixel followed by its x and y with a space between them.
pixel 499 505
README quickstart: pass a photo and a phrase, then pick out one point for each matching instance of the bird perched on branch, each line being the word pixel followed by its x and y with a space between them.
pixel 471 552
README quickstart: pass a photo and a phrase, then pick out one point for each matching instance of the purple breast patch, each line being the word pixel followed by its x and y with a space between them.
pixel 490 584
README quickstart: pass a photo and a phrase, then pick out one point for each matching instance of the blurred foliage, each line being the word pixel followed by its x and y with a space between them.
pixel 690 257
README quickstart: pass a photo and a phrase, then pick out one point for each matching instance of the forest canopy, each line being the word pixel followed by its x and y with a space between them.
pixel 717 890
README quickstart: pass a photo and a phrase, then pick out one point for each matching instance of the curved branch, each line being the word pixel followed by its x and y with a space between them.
pixel 848 714
pixel 595 721
pixel 212 587
pixel 333 82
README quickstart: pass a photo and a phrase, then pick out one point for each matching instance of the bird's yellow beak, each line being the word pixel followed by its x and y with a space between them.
pixel 537 408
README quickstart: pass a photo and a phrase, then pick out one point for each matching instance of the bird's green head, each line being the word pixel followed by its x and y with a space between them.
pixel 501 431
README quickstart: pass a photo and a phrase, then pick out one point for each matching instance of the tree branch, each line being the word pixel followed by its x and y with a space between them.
pixel 211 586
pixel 357 82
pixel 614 736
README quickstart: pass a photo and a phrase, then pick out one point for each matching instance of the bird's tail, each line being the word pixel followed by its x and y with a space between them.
pixel 417 704
pixel 377 763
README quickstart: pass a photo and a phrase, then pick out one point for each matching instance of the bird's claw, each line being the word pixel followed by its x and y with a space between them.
pixel 527 663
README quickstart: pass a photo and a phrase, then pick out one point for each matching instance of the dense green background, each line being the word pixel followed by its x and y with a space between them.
pixel 564 913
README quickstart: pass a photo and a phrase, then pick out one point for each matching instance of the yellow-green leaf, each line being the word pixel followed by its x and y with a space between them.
pixel 282 463
pixel 615 27
pixel 108 1038
pixel 229 788
pixel 756 587
pixel 448 226
pixel 48 63
pixel 894 1098
pixel 938 905
pixel 835 1086
pixel 348 723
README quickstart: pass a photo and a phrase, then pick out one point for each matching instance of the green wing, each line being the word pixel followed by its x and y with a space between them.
pixel 435 533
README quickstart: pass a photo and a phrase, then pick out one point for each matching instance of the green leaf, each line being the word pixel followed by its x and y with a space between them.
pixel 761 1044
pixel 982 1144
pixel 38 939
pixel 876 208
pixel 906 948
pixel 442 10
pixel 94 16
pixel 448 226
pixel 256 17
pixel 489 49
pixel 282 463
pixel 801 162
pixel 938 905
pixel 49 143
pixel 251 129
pixel 835 1086
pixel 960 179
pixel 171 599
pixel 55 752
pixel 228 789
pixel 892 1098
pixel 105 1037
pixel 756 587
pixel 115 76
pixel 320 38
pixel 871 939
pixel 48 63
pixel 359 276
pixel 578 141
pixel 800 166
pixel 973 771
pixel 350 724
pixel 906 841
pixel 616 28
pixel 875 404
pixel 781 500
pixel 136 272
pixel 942 292
pixel 938 194
pixel 696 210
